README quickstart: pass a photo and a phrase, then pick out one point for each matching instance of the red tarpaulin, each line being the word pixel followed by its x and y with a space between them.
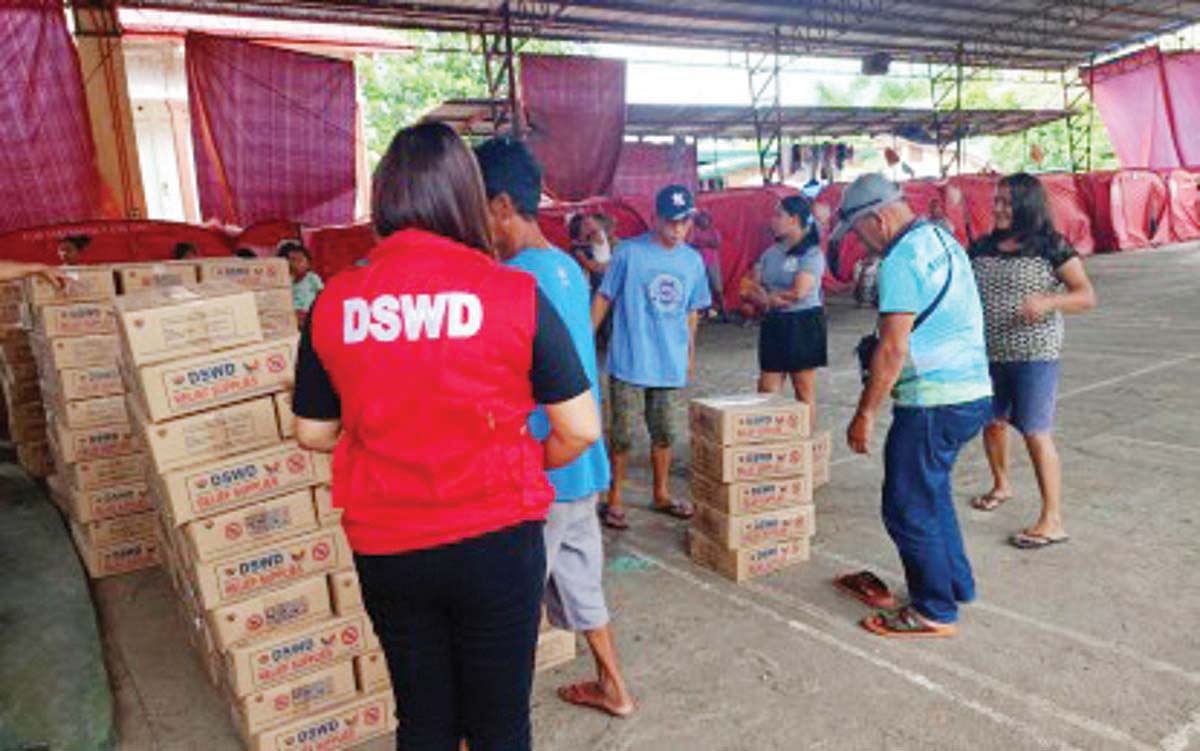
pixel 743 217
pixel 1096 188
pixel 1181 71
pixel 628 220
pixel 1130 95
pixel 336 249
pixel 1140 210
pixel 1069 210
pixel 646 168
pixel 47 158
pixel 848 253
pixel 575 109
pixel 264 237
pixel 921 195
pixel 976 197
pixel 1185 212
pixel 273 132
pixel 117 241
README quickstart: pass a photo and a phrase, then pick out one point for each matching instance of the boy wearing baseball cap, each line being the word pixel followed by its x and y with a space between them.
pixel 656 287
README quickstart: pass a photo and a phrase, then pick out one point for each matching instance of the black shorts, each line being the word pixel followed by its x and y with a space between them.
pixel 791 342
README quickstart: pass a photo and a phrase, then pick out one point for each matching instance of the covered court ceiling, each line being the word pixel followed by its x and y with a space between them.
pixel 1032 34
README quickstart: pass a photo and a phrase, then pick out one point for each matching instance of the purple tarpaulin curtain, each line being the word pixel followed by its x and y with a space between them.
pixel 575 110
pixel 1136 109
pixel 273 132
pixel 645 168
pixel 48 169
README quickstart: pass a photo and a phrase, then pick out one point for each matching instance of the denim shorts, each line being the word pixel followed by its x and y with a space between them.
pixel 1025 394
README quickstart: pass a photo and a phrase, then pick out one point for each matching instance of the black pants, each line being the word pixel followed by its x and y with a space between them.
pixel 459 626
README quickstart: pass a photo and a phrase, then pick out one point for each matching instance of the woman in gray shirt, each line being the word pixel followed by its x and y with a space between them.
pixel 787 283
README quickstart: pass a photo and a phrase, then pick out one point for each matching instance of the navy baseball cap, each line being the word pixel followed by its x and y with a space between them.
pixel 508 167
pixel 674 202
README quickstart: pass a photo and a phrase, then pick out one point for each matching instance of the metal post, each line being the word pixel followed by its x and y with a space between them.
pixel 513 101
pixel 945 93
pixel 958 116
pixel 499 54
pixel 766 93
pixel 1076 99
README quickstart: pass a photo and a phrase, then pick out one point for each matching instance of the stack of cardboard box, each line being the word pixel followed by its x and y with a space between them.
pixel 96 456
pixel 268 279
pixel 752 484
pixel 255 550
pixel 22 415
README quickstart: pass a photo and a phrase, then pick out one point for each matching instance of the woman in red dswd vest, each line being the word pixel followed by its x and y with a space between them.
pixel 418 371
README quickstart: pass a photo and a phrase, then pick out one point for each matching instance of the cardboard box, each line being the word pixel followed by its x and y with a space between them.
pixel 175 322
pixel 101 503
pixel 822 472
pixel 272 566
pixel 302 651
pixel 234 482
pixel 202 437
pixel 251 526
pixel 214 379
pixel 99 442
pixel 333 729
pixel 277 312
pixel 12 292
pixel 751 497
pixel 75 384
pixel 83 283
pixel 283 411
pixel 326 513
pixel 248 273
pixel 372 671
pixel 122 558
pixel 27 423
pixel 554 647
pixel 752 463
pixel 87 413
pixel 259 618
pixel 102 473
pixel 748 418
pixel 95 350
pixel 737 532
pixel 117 530
pixel 18 372
pixel 15 347
pixel 12 315
pixel 74 319
pixel 133 278
pixel 747 563
pixel 35 459
pixel 295 699
pixel 24 391
pixel 346 591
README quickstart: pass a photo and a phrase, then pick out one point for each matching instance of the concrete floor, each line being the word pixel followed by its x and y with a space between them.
pixel 1090 645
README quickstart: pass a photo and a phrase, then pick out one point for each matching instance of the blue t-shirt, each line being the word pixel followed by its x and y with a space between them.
pixel 653 289
pixel 947 356
pixel 562 281
pixel 778 272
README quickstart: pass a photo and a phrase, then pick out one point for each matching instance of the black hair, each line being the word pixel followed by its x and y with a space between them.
pixel 575 225
pixel 508 168
pixel 429 180
pixel 800 208
pixel 1031 217
pixel 245 253
pixel 79 241
pixel 290 247
pixel 182 250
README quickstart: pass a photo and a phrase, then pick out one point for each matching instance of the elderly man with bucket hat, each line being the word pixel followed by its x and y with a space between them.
pixel 930 356
pixel 657 287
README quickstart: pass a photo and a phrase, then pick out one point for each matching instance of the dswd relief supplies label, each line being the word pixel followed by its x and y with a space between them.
pixel 735 532
pixel 747 563
pixel 122 558
pixel 749 463
pixel 294 699
pixel 75 319
pixel 98 442
pixel 259 666
pixel 333 729
pixel 209 435
pixel 195 384
pixel 751 497
pixel 238 481
pixel 748 418
pixel 174 322
pixel 74 384
pixel 141 277
pixel 268 521
pixel 253 620
pixel 102 503
pixel 272 566
pixel 248 273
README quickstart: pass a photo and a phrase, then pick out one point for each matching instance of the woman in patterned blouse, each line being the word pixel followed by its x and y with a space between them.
pixel 1028 276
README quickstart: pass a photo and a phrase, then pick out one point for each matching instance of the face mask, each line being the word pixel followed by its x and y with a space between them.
pixel 601 251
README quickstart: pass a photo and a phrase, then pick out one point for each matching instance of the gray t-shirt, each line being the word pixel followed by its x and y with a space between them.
pixel 778 272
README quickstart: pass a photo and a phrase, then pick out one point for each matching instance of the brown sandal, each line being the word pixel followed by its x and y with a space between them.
pixel 867 588
pixel 906 624
pixel 614 518
pixel 678 509
pixel 989 501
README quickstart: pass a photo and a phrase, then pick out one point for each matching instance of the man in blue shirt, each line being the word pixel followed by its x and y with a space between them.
pixel 932 359
pixel 656 287
pixel 574 546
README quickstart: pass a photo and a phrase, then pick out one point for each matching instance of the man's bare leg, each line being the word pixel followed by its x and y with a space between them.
pixel 608 692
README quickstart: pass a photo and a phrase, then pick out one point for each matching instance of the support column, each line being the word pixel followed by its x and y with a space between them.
pixel 1080 111
pixel 766 90
pixel 499 56
pixel 945 94
pixel 102 62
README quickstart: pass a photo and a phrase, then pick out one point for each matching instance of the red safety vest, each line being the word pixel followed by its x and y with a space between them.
pixel 429 347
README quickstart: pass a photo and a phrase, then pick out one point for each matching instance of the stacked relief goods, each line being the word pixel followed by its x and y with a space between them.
pixel 97 459
pixel 22 414
pixel 753 469
pixel 253 545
